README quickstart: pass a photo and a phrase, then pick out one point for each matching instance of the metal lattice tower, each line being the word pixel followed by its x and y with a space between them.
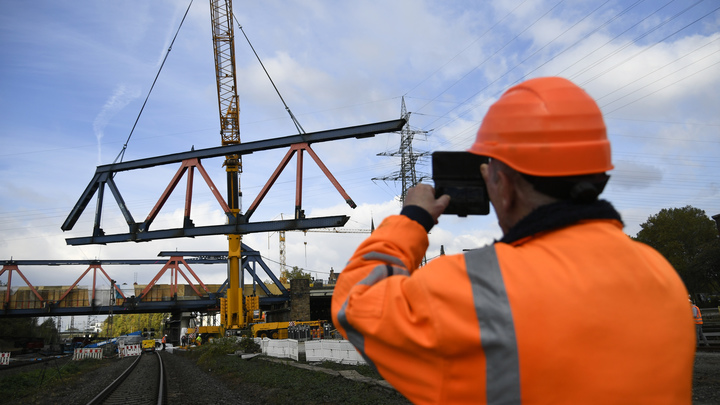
pixel 407 174
pixel 282 251
pixel 110 320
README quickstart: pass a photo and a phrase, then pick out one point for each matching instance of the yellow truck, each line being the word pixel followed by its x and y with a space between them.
pixel 254 324
pixel 279 330
pixel 148 343
pixel 270 330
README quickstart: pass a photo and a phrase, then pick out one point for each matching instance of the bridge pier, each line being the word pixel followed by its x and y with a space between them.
pixel 176 326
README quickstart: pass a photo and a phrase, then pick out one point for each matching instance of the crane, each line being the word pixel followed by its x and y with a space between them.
pixel 282 238
pixel 283 258
pixel 224 48
pixel 237 311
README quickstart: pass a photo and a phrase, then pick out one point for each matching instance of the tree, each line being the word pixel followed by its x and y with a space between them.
pixel 17 327
pixel 128 323
pixel 689 241
pixel 296 272
pixel 25 329
pixel 48 331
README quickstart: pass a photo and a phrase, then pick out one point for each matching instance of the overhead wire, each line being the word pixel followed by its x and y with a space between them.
pixel 552 41
pixel 585 37
pixel 662 88
pixel 292 116
pixel 665 76
pixel 471 107
pixel 668 190
pixel 506 44
pixel 507 72
pixel 645 49
pixel 460 53
pixel 611 40
pixel 487 59
pixel 597 99
pixel 121 155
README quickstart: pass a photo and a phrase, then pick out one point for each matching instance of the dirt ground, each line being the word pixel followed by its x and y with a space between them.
pixel 706 379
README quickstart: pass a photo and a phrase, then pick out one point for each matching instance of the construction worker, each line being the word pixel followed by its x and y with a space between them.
pixel 163 341
pixel 697 316
pixel 542 315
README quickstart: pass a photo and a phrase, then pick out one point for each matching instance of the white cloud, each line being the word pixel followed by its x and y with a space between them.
pixel 121 97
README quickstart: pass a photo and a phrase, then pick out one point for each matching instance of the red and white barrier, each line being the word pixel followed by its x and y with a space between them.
pixel 80 354
pixel 4 359
pixel 129 350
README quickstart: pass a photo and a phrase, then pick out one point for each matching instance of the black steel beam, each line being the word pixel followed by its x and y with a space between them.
pixel 197 253
pixel 103 174
pixel 204 304
pixel 246 148
pixel 208 254
pixel 228 229
pixel 131 262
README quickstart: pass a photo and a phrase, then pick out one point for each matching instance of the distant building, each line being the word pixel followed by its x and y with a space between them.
pixel 95 327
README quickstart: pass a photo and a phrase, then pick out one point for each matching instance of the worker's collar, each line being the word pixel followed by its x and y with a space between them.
pixel 559 215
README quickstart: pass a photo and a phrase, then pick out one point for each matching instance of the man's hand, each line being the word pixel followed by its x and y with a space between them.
pixel 423 195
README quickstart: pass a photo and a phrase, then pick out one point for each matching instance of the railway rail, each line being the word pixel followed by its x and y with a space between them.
pixel 143 382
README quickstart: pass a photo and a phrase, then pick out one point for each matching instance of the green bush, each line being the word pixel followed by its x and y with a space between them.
pixel 217 347
pixel 248 345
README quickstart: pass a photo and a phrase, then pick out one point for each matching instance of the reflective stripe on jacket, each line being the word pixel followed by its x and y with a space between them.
pixel 697 315
pixel 553 319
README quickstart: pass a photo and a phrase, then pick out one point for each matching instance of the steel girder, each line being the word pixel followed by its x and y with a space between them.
pixel 139 231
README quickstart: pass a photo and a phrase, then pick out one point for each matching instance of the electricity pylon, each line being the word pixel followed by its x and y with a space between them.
pixel 407 174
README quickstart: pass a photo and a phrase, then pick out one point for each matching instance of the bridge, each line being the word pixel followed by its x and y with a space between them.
pixel 192 295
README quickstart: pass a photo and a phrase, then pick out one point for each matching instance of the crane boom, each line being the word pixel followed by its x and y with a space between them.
pixel 224 46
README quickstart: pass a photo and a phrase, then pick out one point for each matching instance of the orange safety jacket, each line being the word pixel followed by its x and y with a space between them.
pixel 579 315
pixel 697 315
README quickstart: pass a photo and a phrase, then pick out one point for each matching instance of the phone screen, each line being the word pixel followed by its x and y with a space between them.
pixel 457 174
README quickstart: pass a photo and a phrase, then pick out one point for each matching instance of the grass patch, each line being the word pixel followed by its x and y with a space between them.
pixel 363 369
pixel 218 348
pixel 271 382
pixel 46 379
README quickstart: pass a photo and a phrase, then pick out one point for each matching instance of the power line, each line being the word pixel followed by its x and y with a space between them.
pixel 597 99
pixel 645 49
pixel 460 53
pixel 662 88
pixel 124 148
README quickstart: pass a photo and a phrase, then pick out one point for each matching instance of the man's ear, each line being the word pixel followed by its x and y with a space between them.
pixel 506 190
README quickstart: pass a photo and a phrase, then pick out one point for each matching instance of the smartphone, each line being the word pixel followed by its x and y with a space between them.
pixel 457 174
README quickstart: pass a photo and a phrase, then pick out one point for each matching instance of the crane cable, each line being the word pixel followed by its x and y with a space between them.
pixel 122 152
pixel 292 116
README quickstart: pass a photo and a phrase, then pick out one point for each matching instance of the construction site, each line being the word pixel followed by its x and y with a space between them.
pixel 209 218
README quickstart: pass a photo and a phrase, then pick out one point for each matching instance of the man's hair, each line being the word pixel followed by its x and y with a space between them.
pixel 579 189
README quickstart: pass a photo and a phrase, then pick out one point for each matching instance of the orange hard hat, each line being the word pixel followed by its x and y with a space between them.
pixel 547 127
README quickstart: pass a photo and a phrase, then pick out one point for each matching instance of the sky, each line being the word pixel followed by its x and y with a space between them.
pixel 74 76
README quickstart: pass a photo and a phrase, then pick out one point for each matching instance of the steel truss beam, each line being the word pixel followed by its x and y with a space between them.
pixel 10 267
pixel 237 225
pixel 251 259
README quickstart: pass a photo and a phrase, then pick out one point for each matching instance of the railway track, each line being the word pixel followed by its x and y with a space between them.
pixel 141 383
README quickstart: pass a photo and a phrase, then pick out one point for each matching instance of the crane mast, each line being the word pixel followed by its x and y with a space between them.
pixel 224 46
